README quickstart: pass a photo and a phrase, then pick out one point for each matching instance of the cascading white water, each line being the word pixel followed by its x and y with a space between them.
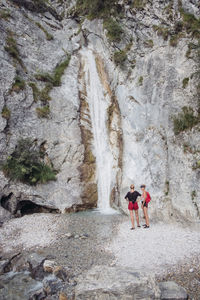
pixel 98 104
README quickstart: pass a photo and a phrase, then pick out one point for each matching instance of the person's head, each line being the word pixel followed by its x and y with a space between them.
pixel 143 186
pixel 132 187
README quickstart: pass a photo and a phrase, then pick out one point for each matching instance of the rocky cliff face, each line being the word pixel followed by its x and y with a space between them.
pixel 110 120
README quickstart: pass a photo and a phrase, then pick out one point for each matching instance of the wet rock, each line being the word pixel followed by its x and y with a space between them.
pixel 172 291
pixel 52 285
pixel 19 286
pixel 102 282
pixel 38 295
pixel 35 261
pixel 3 264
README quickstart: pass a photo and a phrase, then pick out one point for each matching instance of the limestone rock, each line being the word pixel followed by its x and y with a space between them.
pixel 102 282
pixel 49 266
pixel 171 291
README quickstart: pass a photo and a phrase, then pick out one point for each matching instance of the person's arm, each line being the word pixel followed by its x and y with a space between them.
pixel 126 197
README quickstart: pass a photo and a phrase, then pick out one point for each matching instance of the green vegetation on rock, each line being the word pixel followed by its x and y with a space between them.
pixel 148 43
pixel 185 120
pixel 5 113
pixel 43 112
pixel 5 14
pixel 51 81
pixel 18 85
pixel 55 78
pixel 95 8
pixel 190 23
pixel 139 4
pixel 185 82
pixel 35 90
pixel 120 57
pixel 161 31
pixel 49 36
pixel 11 48
pixel 25 164
pixel 114 30
pixel 140 80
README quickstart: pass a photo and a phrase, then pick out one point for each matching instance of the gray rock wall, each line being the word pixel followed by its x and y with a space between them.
pixel 148 93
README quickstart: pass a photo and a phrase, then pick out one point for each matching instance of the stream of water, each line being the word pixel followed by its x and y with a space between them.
pixel 98 104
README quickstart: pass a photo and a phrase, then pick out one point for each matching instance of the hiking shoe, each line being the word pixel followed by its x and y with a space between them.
pixel 132 228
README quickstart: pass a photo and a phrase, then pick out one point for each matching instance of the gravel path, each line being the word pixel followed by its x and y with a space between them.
pixel 155 248
pixel 30 231
pixel 168 250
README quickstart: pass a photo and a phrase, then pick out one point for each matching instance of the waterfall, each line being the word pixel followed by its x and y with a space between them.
pixel 98 104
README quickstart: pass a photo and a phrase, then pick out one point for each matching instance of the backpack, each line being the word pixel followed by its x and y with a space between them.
pixel 148 198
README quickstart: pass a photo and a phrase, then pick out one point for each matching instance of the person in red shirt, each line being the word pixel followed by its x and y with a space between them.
pixel 132 198
pixel 146 198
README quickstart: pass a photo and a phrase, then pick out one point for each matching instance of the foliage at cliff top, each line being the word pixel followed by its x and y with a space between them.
pixel 96 8
pixel 25 164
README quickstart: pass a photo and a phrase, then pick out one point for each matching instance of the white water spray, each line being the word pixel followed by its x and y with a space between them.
pixel 98 104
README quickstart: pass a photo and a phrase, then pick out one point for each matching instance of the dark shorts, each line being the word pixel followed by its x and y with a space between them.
pixel 145 204
pixel 133 206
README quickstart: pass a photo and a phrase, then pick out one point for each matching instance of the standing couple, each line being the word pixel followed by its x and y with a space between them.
pixel 133 199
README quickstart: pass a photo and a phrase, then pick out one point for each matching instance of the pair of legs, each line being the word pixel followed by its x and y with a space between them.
pixel 132 218
pixel 146 216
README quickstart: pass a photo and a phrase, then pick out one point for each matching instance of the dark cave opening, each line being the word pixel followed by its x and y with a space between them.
pixel 23 207
pixel 27 207
pixel 5 201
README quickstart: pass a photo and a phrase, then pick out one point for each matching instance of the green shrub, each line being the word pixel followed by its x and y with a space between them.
pixel 11 48
pixel 185 82
pixel 49 36
pixel 5 113
pixel 51 80
pixel 44 93
pixel 35 90
pixel 18 85
pixel 191 23
pixel 5 14
pixel 139 4
pixel 43 112
pixel 114 30
pixel 140 80
pixel 120 57
pixel 55 78
pixel 59 71
pixel 185 120
pixel 25 164
pixel 95 8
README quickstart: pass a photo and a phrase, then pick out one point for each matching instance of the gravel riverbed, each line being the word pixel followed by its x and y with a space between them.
pixel 82 240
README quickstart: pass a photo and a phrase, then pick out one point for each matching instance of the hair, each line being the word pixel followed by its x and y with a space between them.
pixel 132 186
pixel 142 186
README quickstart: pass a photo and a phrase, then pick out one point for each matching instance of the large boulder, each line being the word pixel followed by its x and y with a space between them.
pixel 170 290
pixel 102 283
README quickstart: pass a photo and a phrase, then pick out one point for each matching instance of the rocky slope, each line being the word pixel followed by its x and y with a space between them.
pixel 110 120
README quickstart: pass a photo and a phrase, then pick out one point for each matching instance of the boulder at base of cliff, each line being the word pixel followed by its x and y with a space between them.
pixel 103 283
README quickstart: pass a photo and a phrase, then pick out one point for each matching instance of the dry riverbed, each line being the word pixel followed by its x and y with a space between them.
pixel 82 240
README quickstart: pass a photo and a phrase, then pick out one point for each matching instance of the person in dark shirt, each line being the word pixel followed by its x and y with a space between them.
pixel 133 205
